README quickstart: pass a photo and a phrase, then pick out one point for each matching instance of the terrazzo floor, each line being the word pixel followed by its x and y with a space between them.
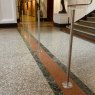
pixel 19 73
pixel 83 56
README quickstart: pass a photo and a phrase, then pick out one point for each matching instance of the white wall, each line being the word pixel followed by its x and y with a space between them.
pixel 59 18
pixel 17 5
pixel 8 11
pixel 58 7
pixel 44 8
pixel 81 11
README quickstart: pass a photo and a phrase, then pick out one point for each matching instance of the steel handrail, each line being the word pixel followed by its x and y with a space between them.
pixel 79 4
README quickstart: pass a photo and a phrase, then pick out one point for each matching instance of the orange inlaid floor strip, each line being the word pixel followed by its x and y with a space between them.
pixel 56 72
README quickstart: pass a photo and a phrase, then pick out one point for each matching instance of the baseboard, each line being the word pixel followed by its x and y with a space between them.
pixel 60 25
pixel 43 19
pixel 8 25
pixel 18 20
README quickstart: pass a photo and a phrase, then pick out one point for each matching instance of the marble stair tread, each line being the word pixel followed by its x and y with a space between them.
pixel 84 32
pixel 92 22
pixel 91 17
pixel 90 34
pixel 81 25
pixel 87 23
pixel 84 26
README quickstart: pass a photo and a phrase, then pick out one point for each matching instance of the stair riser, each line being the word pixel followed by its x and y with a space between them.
pixel 84 36
pixel 91 38
pixel 86 23
pixel 84 29
pixel 91 19
pixel 93 15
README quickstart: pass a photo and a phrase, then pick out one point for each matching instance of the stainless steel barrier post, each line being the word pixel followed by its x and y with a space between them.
pixel 28 26
pixel 27 20
pixel 68 84
pixel 22 21
pixel 38 27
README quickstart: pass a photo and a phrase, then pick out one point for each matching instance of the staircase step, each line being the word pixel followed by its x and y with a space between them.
pixel 85 28
pixel 84 35
pixel 86 23
pixel 93 14
pixel 91 19
pixel 87 35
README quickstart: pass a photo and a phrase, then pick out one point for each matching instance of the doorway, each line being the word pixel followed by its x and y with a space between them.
pixel 50 10
pixel 29 9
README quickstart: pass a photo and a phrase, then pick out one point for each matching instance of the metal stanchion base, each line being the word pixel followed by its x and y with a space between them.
pixel 67 85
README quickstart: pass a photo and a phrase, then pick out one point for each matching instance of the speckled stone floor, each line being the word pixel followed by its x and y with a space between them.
pixel 19 73
pixel 83 58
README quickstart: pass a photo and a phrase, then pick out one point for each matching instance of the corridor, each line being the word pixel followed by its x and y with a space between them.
pixel 47 47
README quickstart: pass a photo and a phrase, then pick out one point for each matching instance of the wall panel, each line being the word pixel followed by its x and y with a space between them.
pixel 8 11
